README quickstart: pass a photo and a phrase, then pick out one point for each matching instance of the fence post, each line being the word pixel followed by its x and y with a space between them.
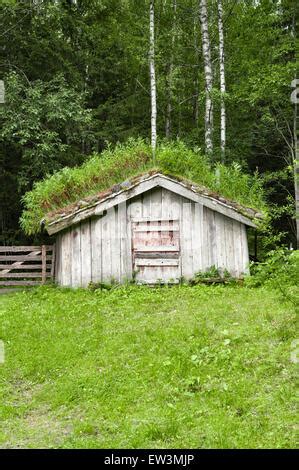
pixel 44 264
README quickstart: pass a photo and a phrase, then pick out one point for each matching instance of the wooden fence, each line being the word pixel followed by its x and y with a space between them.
pixel 26 265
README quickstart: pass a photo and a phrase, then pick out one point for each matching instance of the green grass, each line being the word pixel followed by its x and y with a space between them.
pixel 100 172
pixel 199 367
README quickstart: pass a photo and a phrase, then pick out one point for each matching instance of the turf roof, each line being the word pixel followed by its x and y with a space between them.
pixel 70 187
pixel 84 205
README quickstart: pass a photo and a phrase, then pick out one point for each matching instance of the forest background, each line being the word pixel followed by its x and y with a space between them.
pixel 77 80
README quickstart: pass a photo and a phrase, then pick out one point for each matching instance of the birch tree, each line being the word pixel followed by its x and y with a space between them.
pixel 295 100
pixel 170 76
pixel 206 50
pixel 153 79
pixel 222 82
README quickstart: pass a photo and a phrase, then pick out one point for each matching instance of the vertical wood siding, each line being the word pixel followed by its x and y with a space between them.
pixel 76 255
pixel 100 248
pixel 85 253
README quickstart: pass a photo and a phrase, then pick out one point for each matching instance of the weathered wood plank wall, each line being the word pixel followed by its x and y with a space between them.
pixel 100 248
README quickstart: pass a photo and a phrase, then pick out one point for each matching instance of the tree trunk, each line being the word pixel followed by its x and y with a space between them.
pixel 295 100
pixel 153 80
pixel 206 50
pixel 222 82
pixel 169 103
pixel 196 84
pixel 170 77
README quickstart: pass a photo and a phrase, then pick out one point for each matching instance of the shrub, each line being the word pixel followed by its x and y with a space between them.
pixel 280 270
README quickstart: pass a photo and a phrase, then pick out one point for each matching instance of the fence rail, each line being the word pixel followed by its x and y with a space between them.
pixel 26 265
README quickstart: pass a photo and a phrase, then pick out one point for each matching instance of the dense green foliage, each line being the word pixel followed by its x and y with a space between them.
pixel 76 76
pixel 113 166
pixel 279 270
pixel 151 368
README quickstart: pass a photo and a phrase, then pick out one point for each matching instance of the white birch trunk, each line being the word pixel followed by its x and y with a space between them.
pixel 295 100
pixel 153 80
pixel 206 50
pixel 170 77
pixel 196 85
pixel 222 82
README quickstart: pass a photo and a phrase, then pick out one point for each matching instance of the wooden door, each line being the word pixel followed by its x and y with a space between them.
pixel 156 250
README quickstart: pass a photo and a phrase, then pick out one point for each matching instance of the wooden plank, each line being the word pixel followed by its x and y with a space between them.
pixel 76 256
pixel 153 219
pixel 128 262
pixel 85 254
pixel 212 237
pixel 58 259
pixel 156 248
pixel 125 243
pixel 106 248
pixel 166 204
pixel 173 201
pixel 16 249
pixel 225 244
pixel 157 262
pixel 196 228
pixel 53 263
pixel 157 228
pixel 168 255
pixel 156 203
pixel 135 209
pixel 44 257
pixel 230 255
pixel 145 199
pixel 133 213
pixel 11 267
pixel 20 283
pixel 115 247
pixel 245 253
pixel 186 239
pixel 220 241
pixel 24 275
pixel 206 242
pixel 66 258
pixel 201 235
pixel 96 249
pixel 24 258
pixel 237 243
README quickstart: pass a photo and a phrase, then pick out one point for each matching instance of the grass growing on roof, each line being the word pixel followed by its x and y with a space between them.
pixel 100 172
pixel 137 367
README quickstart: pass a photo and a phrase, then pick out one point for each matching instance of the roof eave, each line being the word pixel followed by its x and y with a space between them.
pixel 149 182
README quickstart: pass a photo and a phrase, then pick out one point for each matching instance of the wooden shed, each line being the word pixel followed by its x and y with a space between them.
pixel 153 227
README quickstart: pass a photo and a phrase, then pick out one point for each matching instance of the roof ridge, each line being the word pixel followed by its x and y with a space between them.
pixel 89 203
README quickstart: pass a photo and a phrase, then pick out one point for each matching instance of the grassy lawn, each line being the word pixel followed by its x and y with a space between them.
pixel 138 367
